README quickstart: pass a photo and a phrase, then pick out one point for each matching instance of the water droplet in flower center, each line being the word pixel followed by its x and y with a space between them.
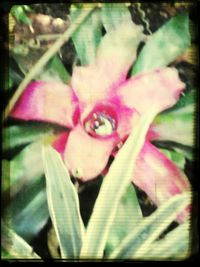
pixel 100 124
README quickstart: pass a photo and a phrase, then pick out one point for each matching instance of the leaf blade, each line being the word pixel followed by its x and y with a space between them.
pixel 180 120
pixel 138 243
pixel 17 135
pixel 15 247
pixel 165 45
pixel 27 206
pixel 62 199
pixel 126 219
pixel 54 70
pixel 113 15
pixel 33 215
pixel 103 214
pixel 175 245
pixel 87 37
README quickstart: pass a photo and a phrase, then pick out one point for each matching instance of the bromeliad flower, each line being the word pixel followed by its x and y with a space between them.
pixel 100 107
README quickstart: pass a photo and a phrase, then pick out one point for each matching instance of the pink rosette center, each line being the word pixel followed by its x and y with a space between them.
pixel 102 122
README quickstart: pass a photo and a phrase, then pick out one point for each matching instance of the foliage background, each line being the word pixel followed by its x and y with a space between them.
pixel 20 139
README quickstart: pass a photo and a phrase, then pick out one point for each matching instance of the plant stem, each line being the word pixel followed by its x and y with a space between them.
pixel 45 58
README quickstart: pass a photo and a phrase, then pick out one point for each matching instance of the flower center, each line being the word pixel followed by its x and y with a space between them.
pixel 101 123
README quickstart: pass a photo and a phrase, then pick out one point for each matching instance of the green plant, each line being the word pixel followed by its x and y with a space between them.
pixel 116 229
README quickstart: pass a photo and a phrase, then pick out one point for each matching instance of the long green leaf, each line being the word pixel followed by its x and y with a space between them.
pixel 63 205
pixel 113 15
pixel 28 208
pixel 177 124
pixel 174 246
pixel 29 211
pixel 57 67
pixel 17 135
pixel 177 127
pixel 26 165
pixel 113 187
pixel 14 247
pixel 87 37
pixel 139 242
pixel 165 45
pixel 126 219
pixel 5 170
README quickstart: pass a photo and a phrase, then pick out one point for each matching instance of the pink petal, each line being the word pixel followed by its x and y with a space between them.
pixel 44 101
pixel 159 90
pixel 116 53
pixel 158 176
pixel 126 121
pixel 86 156
pixel 60 142
pixel 91 84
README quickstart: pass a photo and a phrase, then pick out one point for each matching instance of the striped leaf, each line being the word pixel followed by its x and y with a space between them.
pixel 113 15
pixel 165 45
pixel 112 189
pixel 87 37
pixel 14 247
pixel 140 240
pixel 63 205
pixel 174 246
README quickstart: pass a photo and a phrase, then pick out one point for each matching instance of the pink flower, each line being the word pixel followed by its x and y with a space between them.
pixel 99 106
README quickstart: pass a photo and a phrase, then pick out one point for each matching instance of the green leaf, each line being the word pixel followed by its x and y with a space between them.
pixel 113 15
pixel 187 99
pixel 112 189
pixel 55 70
pixel 174 246
pixel 5 175
pixel 18 11
pixel 26 165
pixel 63 205
pixel 14 78
pixel 187 151
pixel 126 219
pixel 28 206
pixel 177 124
pixel 14 247
pixel 165 45
pixel 29 210
pixel 15 136
pixel 57 66
pixel 87 37
pixel 177 157
pixel 140 240
pixel 9 82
